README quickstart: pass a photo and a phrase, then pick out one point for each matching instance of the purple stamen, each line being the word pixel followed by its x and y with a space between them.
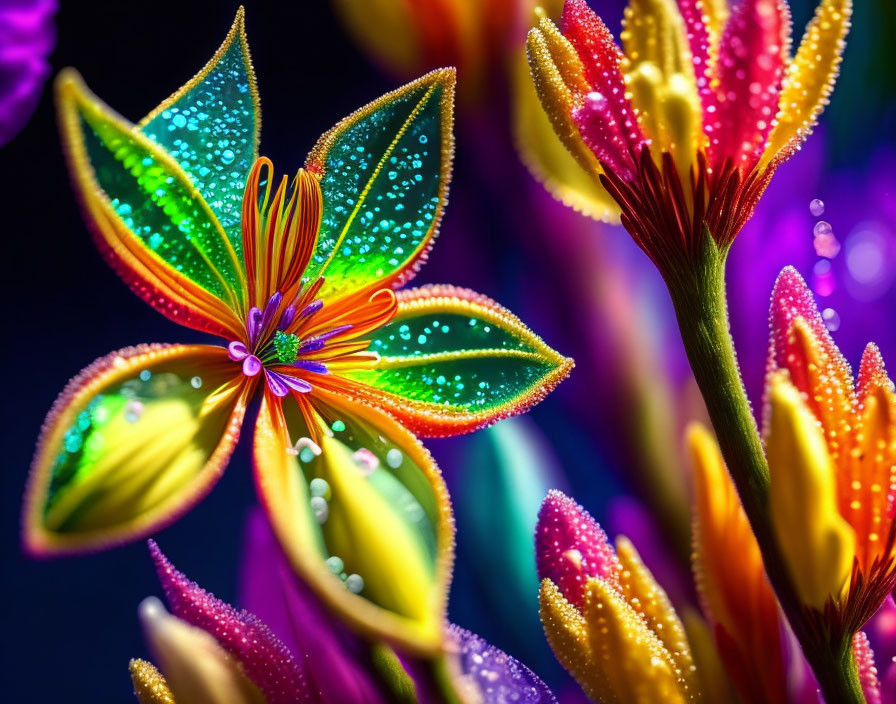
pixel 311 345
pixel 311 308
pixel 287 318
pixel 272 305
pixel 253 324
pixel 338 330
pixel 251 365
pixel 315 367
pixel 237 351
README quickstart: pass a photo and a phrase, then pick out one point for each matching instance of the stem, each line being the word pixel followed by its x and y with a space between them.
pixel 702 313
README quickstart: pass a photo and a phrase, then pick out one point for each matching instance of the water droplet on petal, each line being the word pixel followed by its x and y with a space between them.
pixel 816 207
pixel 355 583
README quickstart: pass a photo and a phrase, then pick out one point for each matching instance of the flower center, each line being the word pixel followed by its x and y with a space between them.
pixel 269 341
pixel 286 345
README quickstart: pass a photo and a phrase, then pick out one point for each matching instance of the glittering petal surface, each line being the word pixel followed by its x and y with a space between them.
pixel 146 215
pixel 133 441
pixel 452 361
pixel 810 78
pixel 496 676
pixel 194 665
pixel 265 660
pixel 570 547
pixel 375 537
pixel 329 654
pixel 606 120
pixel 211 127
pixel 864 657
pixel 752 54
pixel 547 157
pixel 27 36
pixel 150 686
pixel 384 177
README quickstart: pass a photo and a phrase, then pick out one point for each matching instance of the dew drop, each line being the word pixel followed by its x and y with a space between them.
pixel 227 156
pixel 319 487
pixel 320 508
pixel 355 583
pixel 816 207
pixel 394 458
pixel 196 382
pixel 132 411
pixel 335 564
pixel 831 319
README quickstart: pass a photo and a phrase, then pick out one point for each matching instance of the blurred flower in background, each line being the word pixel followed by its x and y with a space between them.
pixel 27 36
pixel 207 651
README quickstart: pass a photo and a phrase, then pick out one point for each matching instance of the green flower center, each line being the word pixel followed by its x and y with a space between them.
pixel 287 346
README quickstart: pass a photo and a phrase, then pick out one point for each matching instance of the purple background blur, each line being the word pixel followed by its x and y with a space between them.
pixel 70 625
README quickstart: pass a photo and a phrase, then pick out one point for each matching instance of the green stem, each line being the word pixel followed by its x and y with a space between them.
pixel 702 313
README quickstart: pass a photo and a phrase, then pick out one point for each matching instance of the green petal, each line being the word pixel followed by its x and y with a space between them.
pixel 128 180
pixel 211 128
pixel 452 360
pixel 366 521
pixel 135 440
pixel 384 177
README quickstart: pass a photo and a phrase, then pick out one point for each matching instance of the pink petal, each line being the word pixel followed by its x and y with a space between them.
pixel 699 44
pixel 750 67
pixel 267 662
pixel 607 121
pixel 570 547
pixel 872 372
pixel 864 657
pixel 792 299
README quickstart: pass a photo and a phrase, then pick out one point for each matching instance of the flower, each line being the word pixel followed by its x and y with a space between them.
pixel 831 444
pixel 208 651
pixel 607 620
pixel 27 36
pixel 686 124
pixel 298 283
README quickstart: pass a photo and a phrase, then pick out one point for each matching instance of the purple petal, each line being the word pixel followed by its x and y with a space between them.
pixel 285 382
pixel 498 677
pixel 253 324
pixel 275 383
pixel 331 655
pixel 265 659
pixel 237 351
pixel 27 36
pixel 316 367
pixel 251 365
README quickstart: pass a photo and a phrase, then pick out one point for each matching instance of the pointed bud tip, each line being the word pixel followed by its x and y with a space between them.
pixel 570 546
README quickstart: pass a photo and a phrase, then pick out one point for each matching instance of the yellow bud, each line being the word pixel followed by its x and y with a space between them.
pixel 817 543
pixel 149 684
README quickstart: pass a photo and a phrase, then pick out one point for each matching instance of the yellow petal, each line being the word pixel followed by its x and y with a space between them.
pixel 810 77
pixel 560 84
pixel 149 684
pixel 369 499
pixel 548 158
pixel 196 668
pixel 648 598
pixel 818 545
pixel 134 441
pixel 634 660
pixel 567 634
